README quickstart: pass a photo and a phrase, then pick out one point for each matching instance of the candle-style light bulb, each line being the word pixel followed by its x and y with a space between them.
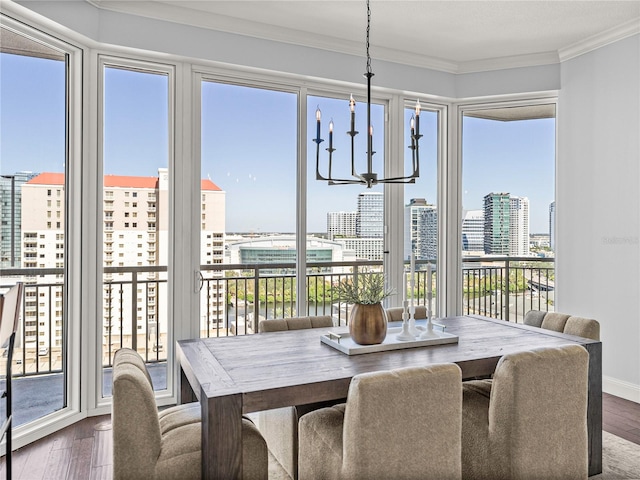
pixel 412 124
pixel 318 116
pixel 418 117
pixel 352 107
pixel 331 134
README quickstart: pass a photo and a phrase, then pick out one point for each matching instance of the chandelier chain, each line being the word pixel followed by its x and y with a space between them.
pixel 367 43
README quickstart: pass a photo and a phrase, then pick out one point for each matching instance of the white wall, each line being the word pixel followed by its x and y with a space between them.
pixel 597 202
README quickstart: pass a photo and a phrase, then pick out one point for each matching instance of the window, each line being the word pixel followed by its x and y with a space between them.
pixel 240 170
pixel 508 166
pixel 36 130
pixel 137 99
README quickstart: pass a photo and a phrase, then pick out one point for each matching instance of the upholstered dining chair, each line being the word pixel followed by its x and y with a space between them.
pixel 530 421
pixel 394 314
pixel 403 423
pixel 295 323
pixel 561 322
pixel 583 327
pixel 279 426
pixel 534 318
pixel 167 445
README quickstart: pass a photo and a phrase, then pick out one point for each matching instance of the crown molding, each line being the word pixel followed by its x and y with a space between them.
pixel 237 26
pixel 612 35
pixel 503 63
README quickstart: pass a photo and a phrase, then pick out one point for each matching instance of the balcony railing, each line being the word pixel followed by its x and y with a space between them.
pixel 135 301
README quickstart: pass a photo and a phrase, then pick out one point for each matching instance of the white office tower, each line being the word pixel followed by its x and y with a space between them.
pixel 421 229
pixel 341 224
pixel 518 226
pixel 473 232
pixel 552 226
pixel 370 215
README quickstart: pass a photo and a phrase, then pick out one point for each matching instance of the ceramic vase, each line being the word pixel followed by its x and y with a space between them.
pixel 368 324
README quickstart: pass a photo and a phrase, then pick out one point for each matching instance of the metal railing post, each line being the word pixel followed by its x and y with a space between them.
pixel 256 299
pixel 508 281
pixel 134 311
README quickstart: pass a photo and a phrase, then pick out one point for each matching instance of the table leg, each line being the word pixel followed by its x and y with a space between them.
pixel 594 408
pixel 185 390
pixel 221 437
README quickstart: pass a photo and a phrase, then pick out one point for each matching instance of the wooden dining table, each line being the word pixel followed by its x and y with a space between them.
pixel 236 375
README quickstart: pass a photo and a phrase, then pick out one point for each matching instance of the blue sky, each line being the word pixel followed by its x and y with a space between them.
pixel 249 149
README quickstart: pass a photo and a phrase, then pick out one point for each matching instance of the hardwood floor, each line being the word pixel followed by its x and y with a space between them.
pixel 83 451
pixel 621 417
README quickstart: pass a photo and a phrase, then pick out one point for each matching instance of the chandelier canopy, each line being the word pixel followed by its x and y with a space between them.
pixel 368 178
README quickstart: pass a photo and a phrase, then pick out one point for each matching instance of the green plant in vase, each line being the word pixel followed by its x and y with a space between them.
pixel 368 320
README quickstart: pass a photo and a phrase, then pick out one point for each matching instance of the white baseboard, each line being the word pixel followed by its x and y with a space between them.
pixel 619 388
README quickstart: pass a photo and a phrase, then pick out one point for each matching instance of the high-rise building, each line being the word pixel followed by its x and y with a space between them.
pixel 11 214
pixel 473 231
pixel 370 215
pixel 361 232
pixel 341 224
pixel 420 229
pixel 135 232
pixel 427 245
pixel 496 223
pixel 518 226
pixel 552 226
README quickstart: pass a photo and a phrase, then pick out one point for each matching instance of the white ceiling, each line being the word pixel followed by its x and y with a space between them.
pixel 454 36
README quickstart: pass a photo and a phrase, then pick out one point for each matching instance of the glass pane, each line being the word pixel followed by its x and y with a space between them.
pixel 135 219
pixel 508 186
pixel 32 197
pixel 421 209
pixel 248 207
pixel 345 223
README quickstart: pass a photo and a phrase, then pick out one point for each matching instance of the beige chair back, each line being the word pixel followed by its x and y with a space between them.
pixel 583 327
pixel 560 322
pixel 538 413
pixel 534 318
pixel 136 429
pixel 394 314
pixel 404 423
pixel 295 323
pixel 555 321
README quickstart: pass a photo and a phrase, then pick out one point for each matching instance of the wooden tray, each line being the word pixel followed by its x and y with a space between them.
pixel 342 341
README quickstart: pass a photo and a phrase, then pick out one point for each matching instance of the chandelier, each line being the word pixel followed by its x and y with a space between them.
pixel 369 178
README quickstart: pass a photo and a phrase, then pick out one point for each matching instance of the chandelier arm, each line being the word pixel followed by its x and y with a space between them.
pixel 411 179
pixel 346 181
pixel 416 166
pixel 353 156
pixel 319 176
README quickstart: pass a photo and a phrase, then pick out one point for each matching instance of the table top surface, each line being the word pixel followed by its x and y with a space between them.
pixel 276 369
